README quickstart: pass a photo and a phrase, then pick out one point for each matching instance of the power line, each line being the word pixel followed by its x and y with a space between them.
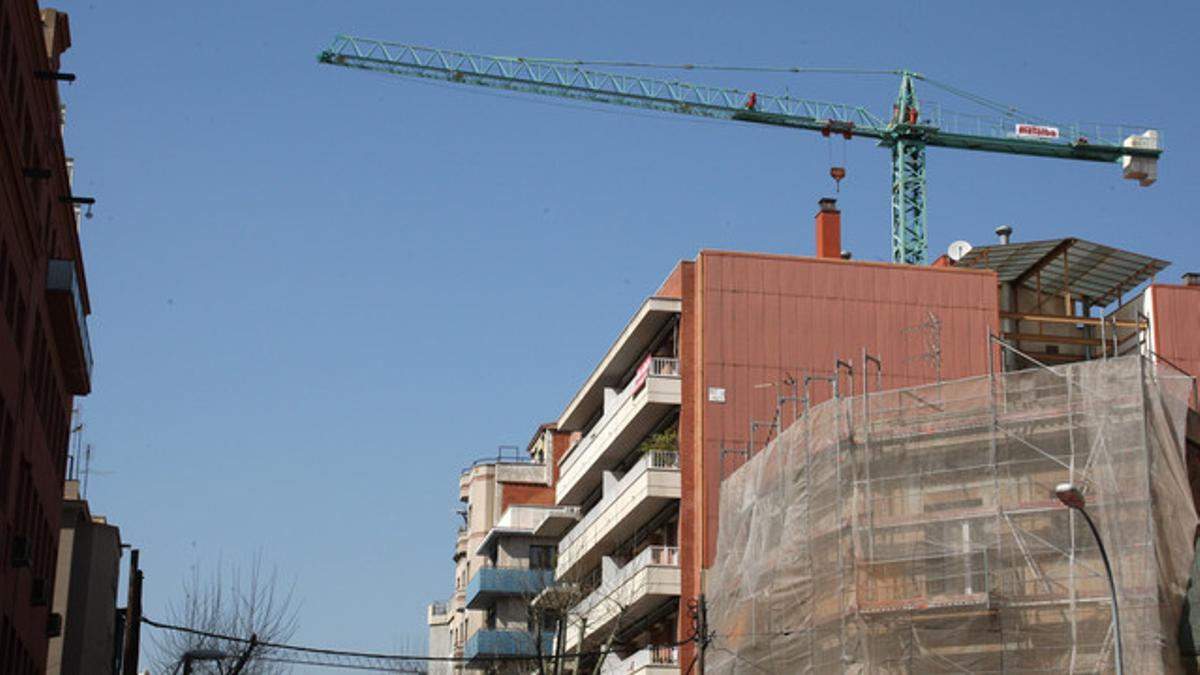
pixel 340 658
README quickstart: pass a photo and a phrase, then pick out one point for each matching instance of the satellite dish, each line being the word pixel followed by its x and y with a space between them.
pixel 958 249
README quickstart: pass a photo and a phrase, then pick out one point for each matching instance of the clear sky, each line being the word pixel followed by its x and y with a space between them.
pixel 318 294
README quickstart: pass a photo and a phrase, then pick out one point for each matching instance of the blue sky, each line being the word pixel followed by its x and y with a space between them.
pixel 318 294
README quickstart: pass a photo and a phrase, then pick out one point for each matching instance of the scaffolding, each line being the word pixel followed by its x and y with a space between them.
pixel 917 530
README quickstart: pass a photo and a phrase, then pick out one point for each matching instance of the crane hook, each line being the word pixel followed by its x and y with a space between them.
pixel 837 173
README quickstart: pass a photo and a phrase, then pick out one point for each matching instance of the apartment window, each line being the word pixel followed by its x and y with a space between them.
pixel 543 557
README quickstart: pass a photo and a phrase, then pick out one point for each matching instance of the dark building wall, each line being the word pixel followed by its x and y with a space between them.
pixel 35 397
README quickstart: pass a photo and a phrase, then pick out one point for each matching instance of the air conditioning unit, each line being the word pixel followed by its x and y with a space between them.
pixel 54 625
pixel 21 551
pixel 40 595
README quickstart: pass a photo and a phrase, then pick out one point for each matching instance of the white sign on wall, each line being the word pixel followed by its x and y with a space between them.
pixel 716 394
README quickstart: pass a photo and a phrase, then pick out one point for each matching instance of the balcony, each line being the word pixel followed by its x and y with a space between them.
pixel 488 644
pixel 490 583
pixel 645 661
pixel 630 592
pixel 439 613
pixel 653 393
pixel 627 504
pixel 69 324
pixel 652 317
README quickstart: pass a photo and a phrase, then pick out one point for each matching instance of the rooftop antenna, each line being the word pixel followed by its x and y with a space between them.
pixel 87 469
pixel 76 441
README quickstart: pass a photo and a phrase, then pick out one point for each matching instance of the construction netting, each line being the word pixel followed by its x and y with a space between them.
pixel 918 531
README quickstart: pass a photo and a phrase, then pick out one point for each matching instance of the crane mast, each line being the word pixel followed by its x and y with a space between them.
pixel 907 132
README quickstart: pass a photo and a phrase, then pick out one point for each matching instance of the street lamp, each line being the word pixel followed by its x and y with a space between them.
pixel 192 655
pixel 1072 497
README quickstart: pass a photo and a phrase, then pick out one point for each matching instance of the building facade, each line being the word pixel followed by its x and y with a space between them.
pixel 707 370
pixel 85 590
pixel 504 556
pixel 45 354
pixel 735 346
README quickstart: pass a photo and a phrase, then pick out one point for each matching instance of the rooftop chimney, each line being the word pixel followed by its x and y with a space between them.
pixel 829 229
pixel 1191 279
pixel 1004 232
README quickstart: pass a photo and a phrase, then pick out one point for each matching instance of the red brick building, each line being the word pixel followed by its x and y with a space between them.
pixel 45 355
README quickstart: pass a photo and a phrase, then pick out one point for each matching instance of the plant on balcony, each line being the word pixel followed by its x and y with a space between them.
pixel 667 440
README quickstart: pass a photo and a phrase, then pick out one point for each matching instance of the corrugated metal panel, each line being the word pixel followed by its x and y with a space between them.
pixel 1095 271
pixel 1176 326
pixel 767 317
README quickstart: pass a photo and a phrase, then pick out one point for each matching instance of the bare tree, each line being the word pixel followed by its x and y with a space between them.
pixel 230 601
pixel 562 609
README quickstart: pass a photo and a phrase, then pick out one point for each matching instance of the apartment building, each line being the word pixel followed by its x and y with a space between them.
pixel 504 556
pixel 518 557
pixel 45 354
pixel 733 346
pixel 85 590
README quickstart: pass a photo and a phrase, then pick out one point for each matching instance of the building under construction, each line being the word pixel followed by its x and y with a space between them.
pixel 917 530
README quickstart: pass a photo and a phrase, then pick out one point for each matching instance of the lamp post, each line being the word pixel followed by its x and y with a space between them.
pixel 193 655
pixel 1072 497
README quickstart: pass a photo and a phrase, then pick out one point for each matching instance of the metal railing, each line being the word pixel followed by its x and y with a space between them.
pixel 663 459
pixel 646 656
pixel 664 366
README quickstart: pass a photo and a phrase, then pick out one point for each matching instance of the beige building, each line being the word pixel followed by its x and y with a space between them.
pixel 504 554
pixel 85 590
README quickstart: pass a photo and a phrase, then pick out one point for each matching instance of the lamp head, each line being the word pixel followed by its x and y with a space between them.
pixel 1070 495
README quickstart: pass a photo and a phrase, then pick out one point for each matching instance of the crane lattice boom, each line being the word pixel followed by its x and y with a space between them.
pixel 907 131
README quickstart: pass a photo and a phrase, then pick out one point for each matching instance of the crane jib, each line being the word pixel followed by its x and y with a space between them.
pixel 911 129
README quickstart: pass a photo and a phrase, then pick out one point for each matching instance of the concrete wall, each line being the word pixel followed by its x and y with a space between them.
pixel 85 593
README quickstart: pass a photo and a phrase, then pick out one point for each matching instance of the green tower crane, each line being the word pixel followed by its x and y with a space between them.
pixel 907 132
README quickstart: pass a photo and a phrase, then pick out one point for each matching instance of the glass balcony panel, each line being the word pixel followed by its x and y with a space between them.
pixel 490 583
pixel 487 644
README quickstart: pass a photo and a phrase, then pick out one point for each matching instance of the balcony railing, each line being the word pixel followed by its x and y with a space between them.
pixel 486 644
pixel 655 459
pixel 641 659
pixel 492 582
pixel 664 367
pixel 65 303
pixel 439 608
